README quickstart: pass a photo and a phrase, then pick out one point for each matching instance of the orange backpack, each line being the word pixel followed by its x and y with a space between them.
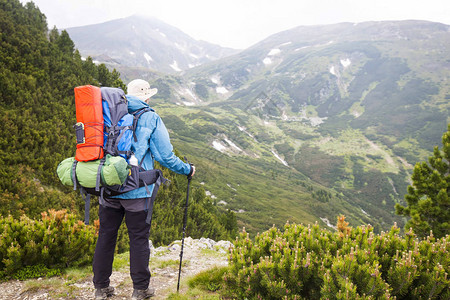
pixel 89 126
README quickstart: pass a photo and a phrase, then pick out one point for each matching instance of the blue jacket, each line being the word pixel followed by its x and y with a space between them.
pixel 152 134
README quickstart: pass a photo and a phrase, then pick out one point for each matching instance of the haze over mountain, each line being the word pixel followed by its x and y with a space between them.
pixel 310 123
pixel 144 43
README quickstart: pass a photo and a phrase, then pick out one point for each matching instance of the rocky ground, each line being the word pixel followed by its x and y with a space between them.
pixel 198 255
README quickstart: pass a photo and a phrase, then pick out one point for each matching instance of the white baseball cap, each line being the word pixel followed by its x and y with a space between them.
pixel 141 89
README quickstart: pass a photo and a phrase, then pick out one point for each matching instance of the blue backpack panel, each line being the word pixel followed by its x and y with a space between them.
pixel 118 122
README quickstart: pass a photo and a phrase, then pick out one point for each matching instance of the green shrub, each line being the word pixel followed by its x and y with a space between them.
pixel 35 272
pixel 306 262
pixel 57 240
pixel 209 280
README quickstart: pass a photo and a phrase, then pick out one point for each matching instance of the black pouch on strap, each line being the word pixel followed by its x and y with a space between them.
pixel 79 132
pixel 150 176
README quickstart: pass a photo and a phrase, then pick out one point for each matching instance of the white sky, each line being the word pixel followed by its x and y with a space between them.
pixel 241 23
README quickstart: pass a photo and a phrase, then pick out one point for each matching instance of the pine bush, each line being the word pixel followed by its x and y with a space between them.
pixel 57 240
pixel 307 262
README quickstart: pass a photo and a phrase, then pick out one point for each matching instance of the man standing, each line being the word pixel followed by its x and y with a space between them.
pixel 152 137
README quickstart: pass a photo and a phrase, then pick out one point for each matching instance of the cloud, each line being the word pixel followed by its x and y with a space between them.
pixel 238 23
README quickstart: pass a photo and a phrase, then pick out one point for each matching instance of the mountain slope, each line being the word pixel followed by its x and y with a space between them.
pixel 350 107
pixel 144 42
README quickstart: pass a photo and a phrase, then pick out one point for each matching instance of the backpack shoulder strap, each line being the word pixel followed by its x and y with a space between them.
pixel 136 115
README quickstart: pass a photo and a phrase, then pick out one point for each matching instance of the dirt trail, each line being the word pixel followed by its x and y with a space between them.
pixel 198 255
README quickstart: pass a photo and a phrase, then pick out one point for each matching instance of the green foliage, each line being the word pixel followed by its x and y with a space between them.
pixel 169 263
pixel 322 196
pixel 204 285
pixel 39 71
pixel 209 280
pixel 193 294
pixel 123 239
pixel 35 271
pixel 428 198
pixel 320 166
pixel 57 240
pixel 306 262
pixel 204 219
pixel 22 193
pixel 261 190
pixel 121 260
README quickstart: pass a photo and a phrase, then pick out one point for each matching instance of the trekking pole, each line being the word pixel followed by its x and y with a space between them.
pixel 184 227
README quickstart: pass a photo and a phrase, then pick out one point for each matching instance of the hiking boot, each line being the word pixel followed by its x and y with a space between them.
pixel 104 293
pixel 143 294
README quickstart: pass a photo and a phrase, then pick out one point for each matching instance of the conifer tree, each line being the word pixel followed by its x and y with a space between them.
pixel 428 201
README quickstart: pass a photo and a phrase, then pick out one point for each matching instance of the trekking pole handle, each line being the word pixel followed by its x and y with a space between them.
pixel 192 166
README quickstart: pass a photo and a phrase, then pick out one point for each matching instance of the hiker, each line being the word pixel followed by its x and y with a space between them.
pixel 152 137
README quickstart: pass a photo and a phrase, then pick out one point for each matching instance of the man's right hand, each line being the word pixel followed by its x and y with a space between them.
pixel 191 174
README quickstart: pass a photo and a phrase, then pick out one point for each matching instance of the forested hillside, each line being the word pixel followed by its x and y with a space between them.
pixel 39 70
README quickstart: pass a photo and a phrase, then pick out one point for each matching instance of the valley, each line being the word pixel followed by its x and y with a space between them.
pixel 312 122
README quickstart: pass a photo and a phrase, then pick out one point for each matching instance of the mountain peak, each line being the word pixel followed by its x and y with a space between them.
pixel 144 42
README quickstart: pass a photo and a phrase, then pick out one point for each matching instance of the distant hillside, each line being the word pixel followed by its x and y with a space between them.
pixel 144 43
pixel 389 77
pixel 350 107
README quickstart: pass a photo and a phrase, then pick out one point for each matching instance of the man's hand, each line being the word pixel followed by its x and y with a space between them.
pixel 192 172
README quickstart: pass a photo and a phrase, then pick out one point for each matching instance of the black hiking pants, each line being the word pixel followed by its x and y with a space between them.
pixel 138 231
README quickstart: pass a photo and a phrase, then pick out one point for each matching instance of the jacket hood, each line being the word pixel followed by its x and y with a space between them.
pixel 135 103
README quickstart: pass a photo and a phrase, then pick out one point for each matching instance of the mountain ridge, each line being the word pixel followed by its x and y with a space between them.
pixel 146 42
